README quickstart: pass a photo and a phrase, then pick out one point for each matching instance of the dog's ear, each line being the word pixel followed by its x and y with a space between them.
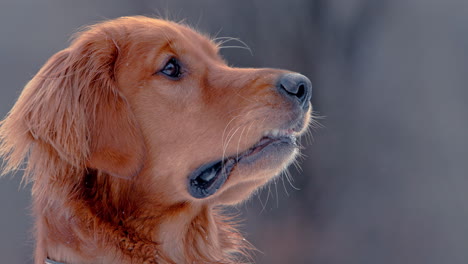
pixel 74 106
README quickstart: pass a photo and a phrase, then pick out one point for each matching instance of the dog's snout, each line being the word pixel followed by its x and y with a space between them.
pixel 297 87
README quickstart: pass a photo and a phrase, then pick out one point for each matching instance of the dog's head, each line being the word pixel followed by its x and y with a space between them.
pixel 153 101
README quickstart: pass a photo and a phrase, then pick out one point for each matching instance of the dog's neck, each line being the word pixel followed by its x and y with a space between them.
pixel 180 233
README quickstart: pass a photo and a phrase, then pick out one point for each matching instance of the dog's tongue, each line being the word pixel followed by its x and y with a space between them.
pixel 207 179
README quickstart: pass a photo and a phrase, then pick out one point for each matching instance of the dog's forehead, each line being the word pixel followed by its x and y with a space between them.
pixel 177 35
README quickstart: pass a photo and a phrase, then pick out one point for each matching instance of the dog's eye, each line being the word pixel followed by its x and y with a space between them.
pixel 172 69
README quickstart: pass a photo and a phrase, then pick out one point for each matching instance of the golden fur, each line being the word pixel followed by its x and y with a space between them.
pixel 109 145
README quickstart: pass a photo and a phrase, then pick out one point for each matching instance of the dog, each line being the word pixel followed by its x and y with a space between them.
pixel 137 135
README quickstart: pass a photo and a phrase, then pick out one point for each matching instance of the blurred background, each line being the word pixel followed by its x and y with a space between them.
pixel 385 181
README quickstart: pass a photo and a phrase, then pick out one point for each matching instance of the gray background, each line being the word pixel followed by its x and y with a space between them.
pixel 384 182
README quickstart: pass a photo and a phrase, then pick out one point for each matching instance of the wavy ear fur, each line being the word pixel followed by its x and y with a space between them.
pixel 73 106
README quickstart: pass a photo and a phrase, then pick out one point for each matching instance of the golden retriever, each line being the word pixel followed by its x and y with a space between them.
pixel 137 134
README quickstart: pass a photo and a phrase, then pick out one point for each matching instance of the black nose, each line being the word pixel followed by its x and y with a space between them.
pixel 297 87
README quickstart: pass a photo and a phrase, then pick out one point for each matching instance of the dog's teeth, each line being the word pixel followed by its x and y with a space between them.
pixel 276 133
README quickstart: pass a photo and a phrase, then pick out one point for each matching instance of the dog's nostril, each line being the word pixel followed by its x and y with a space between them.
pixel 300 91
pixel 296 86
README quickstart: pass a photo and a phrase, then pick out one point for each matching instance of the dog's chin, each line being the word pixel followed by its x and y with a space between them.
pixel 247 177
pixel 245 171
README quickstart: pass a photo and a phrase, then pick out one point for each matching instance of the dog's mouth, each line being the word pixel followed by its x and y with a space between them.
pixel 209 178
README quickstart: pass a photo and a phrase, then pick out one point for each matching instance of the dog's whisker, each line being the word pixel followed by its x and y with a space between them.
pixel 238 142
pixel 260 193
pixel 228 39
pixel 291 180
pixel 283 174
pixel 308 137
pixel 276 190
pixel 297 165
pixel 228 113
pixel 227 144
pixel 250 126
pixel 224 139
pixel 215 37
pixel 237 47
pixel 247 99
pixel 224 131
pixel 261 202
pixel 224 144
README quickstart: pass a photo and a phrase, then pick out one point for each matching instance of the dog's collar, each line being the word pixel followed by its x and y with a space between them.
pixel 48 261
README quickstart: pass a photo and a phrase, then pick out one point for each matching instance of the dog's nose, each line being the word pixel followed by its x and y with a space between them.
pixel 297 87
